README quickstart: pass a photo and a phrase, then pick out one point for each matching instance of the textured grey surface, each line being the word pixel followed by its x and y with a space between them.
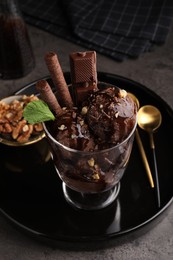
pixel 154 70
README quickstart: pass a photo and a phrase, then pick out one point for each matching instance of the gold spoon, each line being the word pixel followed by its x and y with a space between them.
pixel 149 119
pixel 140 146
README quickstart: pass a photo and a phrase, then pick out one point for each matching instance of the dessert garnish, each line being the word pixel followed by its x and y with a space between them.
pixel 13 126
pixel 101 118
pixel 48 96
pixel 58 79
pixel 43 112
pixel 83 75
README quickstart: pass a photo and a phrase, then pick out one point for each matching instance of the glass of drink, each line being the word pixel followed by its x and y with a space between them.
pixel 16 55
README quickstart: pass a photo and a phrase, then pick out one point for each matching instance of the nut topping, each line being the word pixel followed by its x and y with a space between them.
pixel 91 162
pixel 62 127
pixel 122 93
pixel 84 110
pixel 12 123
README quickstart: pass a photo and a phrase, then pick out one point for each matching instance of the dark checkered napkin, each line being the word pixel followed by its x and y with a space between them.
pixel 117 28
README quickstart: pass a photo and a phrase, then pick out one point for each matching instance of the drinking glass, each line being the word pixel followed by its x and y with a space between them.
pixel 16 55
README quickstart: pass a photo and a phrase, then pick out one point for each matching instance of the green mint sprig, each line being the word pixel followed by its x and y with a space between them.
pixel 37 111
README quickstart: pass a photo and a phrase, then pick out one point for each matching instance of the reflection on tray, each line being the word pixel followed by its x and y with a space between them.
pixel 25 158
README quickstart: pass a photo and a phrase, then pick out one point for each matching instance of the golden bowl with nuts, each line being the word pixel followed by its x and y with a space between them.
pixel 14 129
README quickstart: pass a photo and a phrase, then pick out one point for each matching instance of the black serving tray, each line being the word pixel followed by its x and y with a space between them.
pixel 31 194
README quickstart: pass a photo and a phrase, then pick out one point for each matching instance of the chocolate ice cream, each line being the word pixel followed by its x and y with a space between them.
pixel 71 130
pixel 105 119
pixel 111 115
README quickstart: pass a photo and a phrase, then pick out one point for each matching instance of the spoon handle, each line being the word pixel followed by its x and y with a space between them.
pixel 144 158
pixel 155 169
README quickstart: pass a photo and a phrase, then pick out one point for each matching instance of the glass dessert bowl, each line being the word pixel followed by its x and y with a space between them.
pixel 91 169
pixel 90 180
pixel 90 131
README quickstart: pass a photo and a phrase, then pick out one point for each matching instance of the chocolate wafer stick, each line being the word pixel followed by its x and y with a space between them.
pixel 57 76
pixel 48 96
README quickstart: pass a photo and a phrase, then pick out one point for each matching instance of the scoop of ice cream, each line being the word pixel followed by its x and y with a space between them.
pixel 106 119
pixel 111 115
pixel 71 130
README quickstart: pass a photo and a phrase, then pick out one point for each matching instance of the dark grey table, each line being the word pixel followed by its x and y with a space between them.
pixel 154 70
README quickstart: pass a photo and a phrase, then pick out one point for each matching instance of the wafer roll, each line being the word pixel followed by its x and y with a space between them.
pixel 48 96
pixel 83 74
pixel 57 76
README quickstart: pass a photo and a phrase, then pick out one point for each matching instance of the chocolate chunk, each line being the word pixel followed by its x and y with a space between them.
pixel 83 75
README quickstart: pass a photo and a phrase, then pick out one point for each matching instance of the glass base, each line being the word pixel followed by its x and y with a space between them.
pixel 90 201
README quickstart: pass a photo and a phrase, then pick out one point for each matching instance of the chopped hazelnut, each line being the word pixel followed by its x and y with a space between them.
pixel 73 136
pixel 91 162
pixel 8 115
pixel 96 176
pixel 122 93
pixel 25 128
pixel 96 166
pixel 62 127
pixel 8 128
pixel 84 110
pixel 81 122
pixel 117 114
pixel 38 127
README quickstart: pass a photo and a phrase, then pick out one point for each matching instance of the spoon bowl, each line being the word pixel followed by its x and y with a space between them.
pixel 149 118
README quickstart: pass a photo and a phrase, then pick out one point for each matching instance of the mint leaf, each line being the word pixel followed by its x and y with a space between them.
pixel 37 111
